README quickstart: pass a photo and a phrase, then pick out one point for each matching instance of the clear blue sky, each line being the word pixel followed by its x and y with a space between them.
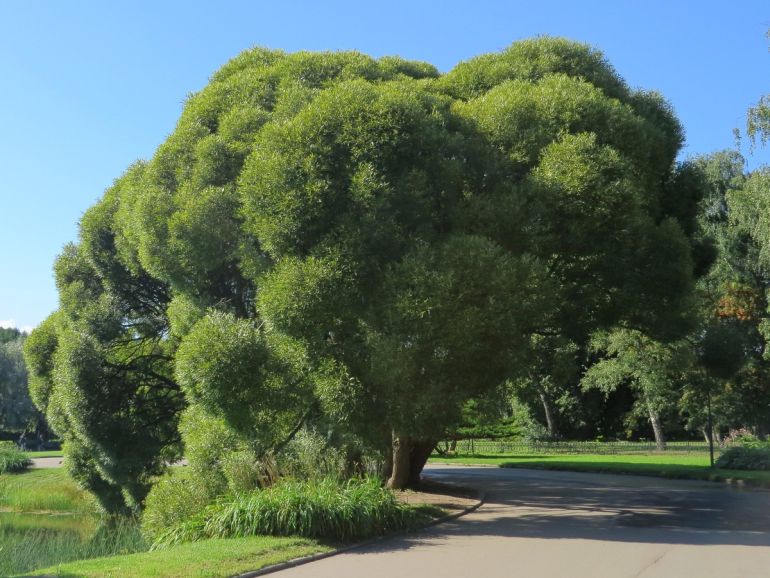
pixel 86 88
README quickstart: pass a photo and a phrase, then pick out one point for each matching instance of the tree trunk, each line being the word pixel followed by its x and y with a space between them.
pixel 706 435
pixel 550 419
pixel 421 450
pixel 386 469
pixel 409 458
pixel 402 447
pixel 657 429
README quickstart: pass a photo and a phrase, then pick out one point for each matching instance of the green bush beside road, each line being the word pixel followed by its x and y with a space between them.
pixel 746 458
pixel 326 509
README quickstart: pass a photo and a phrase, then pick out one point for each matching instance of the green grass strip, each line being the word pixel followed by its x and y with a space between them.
pixel 44 490
pixel 206 559
pixel 46 454
pixel 678 466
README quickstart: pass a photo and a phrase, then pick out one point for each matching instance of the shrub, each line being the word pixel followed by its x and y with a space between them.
pixel 341 511
pixel 741 437
pixel 745 458
pixel 245 472
pixel 12 459
pixel 176 498
pixel 309 456
pixel 207 439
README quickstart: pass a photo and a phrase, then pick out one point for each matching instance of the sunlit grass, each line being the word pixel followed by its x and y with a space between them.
pixel 45 454
pixel 45 490
pixel 207 559
pixel 45 519
pixel 678 465
pixel 25 547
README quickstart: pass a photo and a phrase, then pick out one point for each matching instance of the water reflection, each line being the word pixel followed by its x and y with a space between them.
pixel 35 541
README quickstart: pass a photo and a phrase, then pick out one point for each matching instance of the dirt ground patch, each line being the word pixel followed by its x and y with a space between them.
pixel 452 499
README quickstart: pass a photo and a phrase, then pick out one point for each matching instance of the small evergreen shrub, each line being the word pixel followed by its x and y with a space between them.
pixel 12 459
pixel 340 511
pixel 745 458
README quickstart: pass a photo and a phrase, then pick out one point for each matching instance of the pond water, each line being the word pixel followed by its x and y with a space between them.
pixel 34 541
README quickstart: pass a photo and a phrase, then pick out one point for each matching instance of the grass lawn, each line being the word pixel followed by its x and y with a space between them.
pixel 68 536
pixel 44 490
pixel 685 466
pixel 209 559
pixel 46 454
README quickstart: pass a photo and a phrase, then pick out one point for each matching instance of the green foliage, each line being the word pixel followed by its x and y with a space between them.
pixel 490 416
pixel 25 550
pixel 12 459
pixel 654 369
pixel 9 334
pixel 245 472
pixel 459 307
pixel 320 509
pixel 758 120
pixel 732 300
pixel 100 371
pixel 310 456
pixel 363 242
pixel 173 500
pixel 211 558
pixel 530 60
pixel 44 490
pixel 225 365
pixel 207 441
pixel 17 412
pixel 745 458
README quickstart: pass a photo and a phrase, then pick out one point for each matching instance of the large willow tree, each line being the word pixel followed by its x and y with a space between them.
pixel 364 238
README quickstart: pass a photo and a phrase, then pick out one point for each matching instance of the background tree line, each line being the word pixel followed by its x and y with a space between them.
pixel 17 412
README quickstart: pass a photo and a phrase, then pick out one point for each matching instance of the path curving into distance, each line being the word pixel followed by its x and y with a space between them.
pixel 45 463
pixel 538 524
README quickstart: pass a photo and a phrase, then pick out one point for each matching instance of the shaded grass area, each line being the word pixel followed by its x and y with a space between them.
pixel 45 490
pixel 678 466
pixel 206 559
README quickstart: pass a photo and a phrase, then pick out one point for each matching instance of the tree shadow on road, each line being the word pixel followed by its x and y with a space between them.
pixel 587 507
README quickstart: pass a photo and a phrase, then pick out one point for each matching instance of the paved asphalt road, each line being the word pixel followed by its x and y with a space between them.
pixel 47 462
pixel 537 524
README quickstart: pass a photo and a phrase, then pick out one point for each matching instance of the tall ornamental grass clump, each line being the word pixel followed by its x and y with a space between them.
pixel 12 459
pixel 329 509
